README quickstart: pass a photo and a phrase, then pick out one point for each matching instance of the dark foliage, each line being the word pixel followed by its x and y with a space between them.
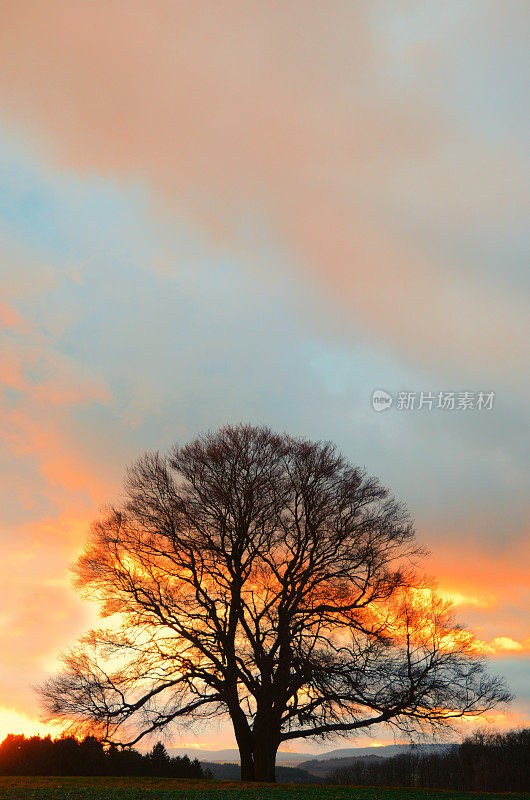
pixel 68 756
pixel 488 762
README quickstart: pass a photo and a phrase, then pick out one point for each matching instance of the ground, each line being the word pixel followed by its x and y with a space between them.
pixel 79 788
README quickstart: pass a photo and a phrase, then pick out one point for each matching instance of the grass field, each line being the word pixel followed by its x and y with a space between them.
pixel 73 788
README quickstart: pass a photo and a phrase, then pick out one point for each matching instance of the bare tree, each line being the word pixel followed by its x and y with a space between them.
pixel 262 577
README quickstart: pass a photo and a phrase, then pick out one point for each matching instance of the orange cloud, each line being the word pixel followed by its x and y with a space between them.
pixel 45 469
pixel 488 573
pixel 477 601
pixel 504 644
pixel 489 586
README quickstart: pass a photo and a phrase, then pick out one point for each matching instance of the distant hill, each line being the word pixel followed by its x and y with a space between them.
pixel 336 759
pixel 232 772
pixel 320 769
pixel 216 756
pixel 231 756
pixel 383 752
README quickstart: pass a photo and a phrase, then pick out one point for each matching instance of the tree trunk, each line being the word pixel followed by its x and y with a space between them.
pixel 245 744
pixel 247 765
pixel 266 743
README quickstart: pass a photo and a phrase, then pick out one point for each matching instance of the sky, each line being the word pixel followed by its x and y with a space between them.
pixel 263 212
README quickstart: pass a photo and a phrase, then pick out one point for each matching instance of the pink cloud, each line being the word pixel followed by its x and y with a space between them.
pixel 50 386
pixel 295 113
pixel 9 317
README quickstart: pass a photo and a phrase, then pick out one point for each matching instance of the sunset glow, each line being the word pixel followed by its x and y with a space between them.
pixel 20 723
pixel 262 212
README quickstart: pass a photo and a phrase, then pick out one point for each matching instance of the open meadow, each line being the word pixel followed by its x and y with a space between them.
pixel 93 788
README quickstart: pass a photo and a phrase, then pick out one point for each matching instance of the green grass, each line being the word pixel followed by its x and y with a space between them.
pixel 79 788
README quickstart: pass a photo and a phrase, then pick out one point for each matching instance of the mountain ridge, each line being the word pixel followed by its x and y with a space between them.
pixel 231 755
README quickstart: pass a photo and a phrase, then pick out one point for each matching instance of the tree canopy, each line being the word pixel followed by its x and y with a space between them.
pixel 262 577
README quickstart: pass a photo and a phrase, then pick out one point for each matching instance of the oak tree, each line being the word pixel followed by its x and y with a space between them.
pixel 262 577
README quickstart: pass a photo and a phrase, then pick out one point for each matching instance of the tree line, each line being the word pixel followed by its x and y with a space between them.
pixel 487 761
pixel 68 756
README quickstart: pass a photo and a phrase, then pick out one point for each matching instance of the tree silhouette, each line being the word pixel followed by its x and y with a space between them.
pixel 488 762
pixel 263 577
pixel 69 756
pixel 160 759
